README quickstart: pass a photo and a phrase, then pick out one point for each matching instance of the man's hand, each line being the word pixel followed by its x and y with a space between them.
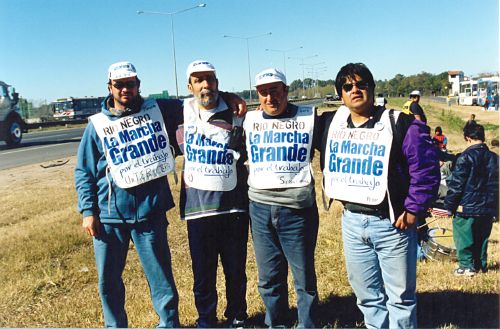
pixel 235 103
pixel 91 225
pixel 405 221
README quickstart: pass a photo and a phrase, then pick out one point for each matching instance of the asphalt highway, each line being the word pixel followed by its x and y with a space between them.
pixel 48 146
pixel 40 147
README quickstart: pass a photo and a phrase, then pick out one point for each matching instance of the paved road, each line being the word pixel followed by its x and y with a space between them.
pixel 44 146
pixel 37 147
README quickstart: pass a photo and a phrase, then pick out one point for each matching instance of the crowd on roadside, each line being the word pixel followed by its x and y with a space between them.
pixel 252 172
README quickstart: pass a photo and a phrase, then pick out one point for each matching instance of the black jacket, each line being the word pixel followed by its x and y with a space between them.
pixel 474 183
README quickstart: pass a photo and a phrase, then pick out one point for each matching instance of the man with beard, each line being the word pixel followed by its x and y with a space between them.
pixel 123 194
pixel 121 198
pixel 213 197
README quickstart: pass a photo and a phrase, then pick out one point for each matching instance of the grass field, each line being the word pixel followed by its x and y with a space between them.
pixel 49 280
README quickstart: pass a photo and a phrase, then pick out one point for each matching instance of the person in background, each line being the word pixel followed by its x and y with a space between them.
pixel 472 200
pixel 380 100
pixel 440 139
pixel 123 199
pixel 494 145
pixel 383 192
pixel 213 197
pixel 283 212
pixel 495 101
pixel 470 122
pixel 412 106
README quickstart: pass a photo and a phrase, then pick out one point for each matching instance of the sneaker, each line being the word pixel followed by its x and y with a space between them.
pixel 464 272
pixel 240 324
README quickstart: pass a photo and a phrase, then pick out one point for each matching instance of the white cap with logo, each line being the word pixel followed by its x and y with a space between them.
pixel 199 66
pixel 269 76
pixel 415 93
pixel 121 70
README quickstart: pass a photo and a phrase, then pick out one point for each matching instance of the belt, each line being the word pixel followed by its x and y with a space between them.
pixel 382 213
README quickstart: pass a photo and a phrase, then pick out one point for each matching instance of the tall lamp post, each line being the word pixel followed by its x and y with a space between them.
pixel 303 72
pixel 171 14
pixel 315 74
pixel 284 51
pixel 248 55
pixel 311 68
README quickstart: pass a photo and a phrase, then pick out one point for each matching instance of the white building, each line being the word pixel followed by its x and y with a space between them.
pixel 454 78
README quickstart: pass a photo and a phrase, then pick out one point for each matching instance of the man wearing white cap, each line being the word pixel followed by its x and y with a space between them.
pixel 412 107
pixel 123 193
pixel 214 197
pixel 283 211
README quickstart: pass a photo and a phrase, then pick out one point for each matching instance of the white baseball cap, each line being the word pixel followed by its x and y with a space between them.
pixel 199 66
pixel 415 93
pixel 121 70
pixel 269 76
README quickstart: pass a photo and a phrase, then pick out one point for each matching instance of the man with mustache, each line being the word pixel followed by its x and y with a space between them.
pixel 122 199
pixel 381 164
pixel 283 211
pixel 123 194
pixel 213 197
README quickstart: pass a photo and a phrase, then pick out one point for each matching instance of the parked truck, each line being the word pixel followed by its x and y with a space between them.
pixel 12 124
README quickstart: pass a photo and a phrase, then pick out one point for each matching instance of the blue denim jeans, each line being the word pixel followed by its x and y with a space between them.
pixel 227 236
pixel 381 263
pixel 282 236
pixel 150 240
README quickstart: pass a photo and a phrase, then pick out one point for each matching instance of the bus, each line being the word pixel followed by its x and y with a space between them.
pixel 468 92
pixel 72 108
pixel 486 88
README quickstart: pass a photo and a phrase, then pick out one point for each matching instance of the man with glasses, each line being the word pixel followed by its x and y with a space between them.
pixel 123 194
pixel 381 164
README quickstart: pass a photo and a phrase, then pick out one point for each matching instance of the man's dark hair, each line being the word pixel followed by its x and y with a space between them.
pixel 350 71
pixel 438 130
pixel 474 131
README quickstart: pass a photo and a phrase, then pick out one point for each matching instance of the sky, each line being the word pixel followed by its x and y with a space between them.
pixel 59 48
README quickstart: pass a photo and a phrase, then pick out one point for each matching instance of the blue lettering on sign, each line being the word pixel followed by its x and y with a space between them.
pixel 278 153
pixel 372 148
pixel 208 156
pixel 285 137
pixel 202 140
pixel 129 135
pixel 366 166
pixel 121 155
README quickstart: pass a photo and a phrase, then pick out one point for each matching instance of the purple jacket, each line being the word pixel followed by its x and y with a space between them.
pixel 414 174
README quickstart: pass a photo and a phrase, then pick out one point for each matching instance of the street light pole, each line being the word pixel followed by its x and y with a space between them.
pixel 303 74
pixel 284 51
pixel 248 55
pixel 312 67
pixel 171 14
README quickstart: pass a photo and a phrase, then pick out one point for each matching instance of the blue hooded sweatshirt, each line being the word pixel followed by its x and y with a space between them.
pixel 142 202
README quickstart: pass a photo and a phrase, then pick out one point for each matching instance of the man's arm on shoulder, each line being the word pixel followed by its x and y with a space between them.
pixel 423 167
pixel 235 103
pixel 173 116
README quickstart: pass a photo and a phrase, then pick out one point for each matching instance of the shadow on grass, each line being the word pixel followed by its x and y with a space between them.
pixel 435 310
pixel 464 310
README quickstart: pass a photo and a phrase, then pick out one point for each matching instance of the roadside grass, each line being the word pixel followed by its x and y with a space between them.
pixel 49 279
